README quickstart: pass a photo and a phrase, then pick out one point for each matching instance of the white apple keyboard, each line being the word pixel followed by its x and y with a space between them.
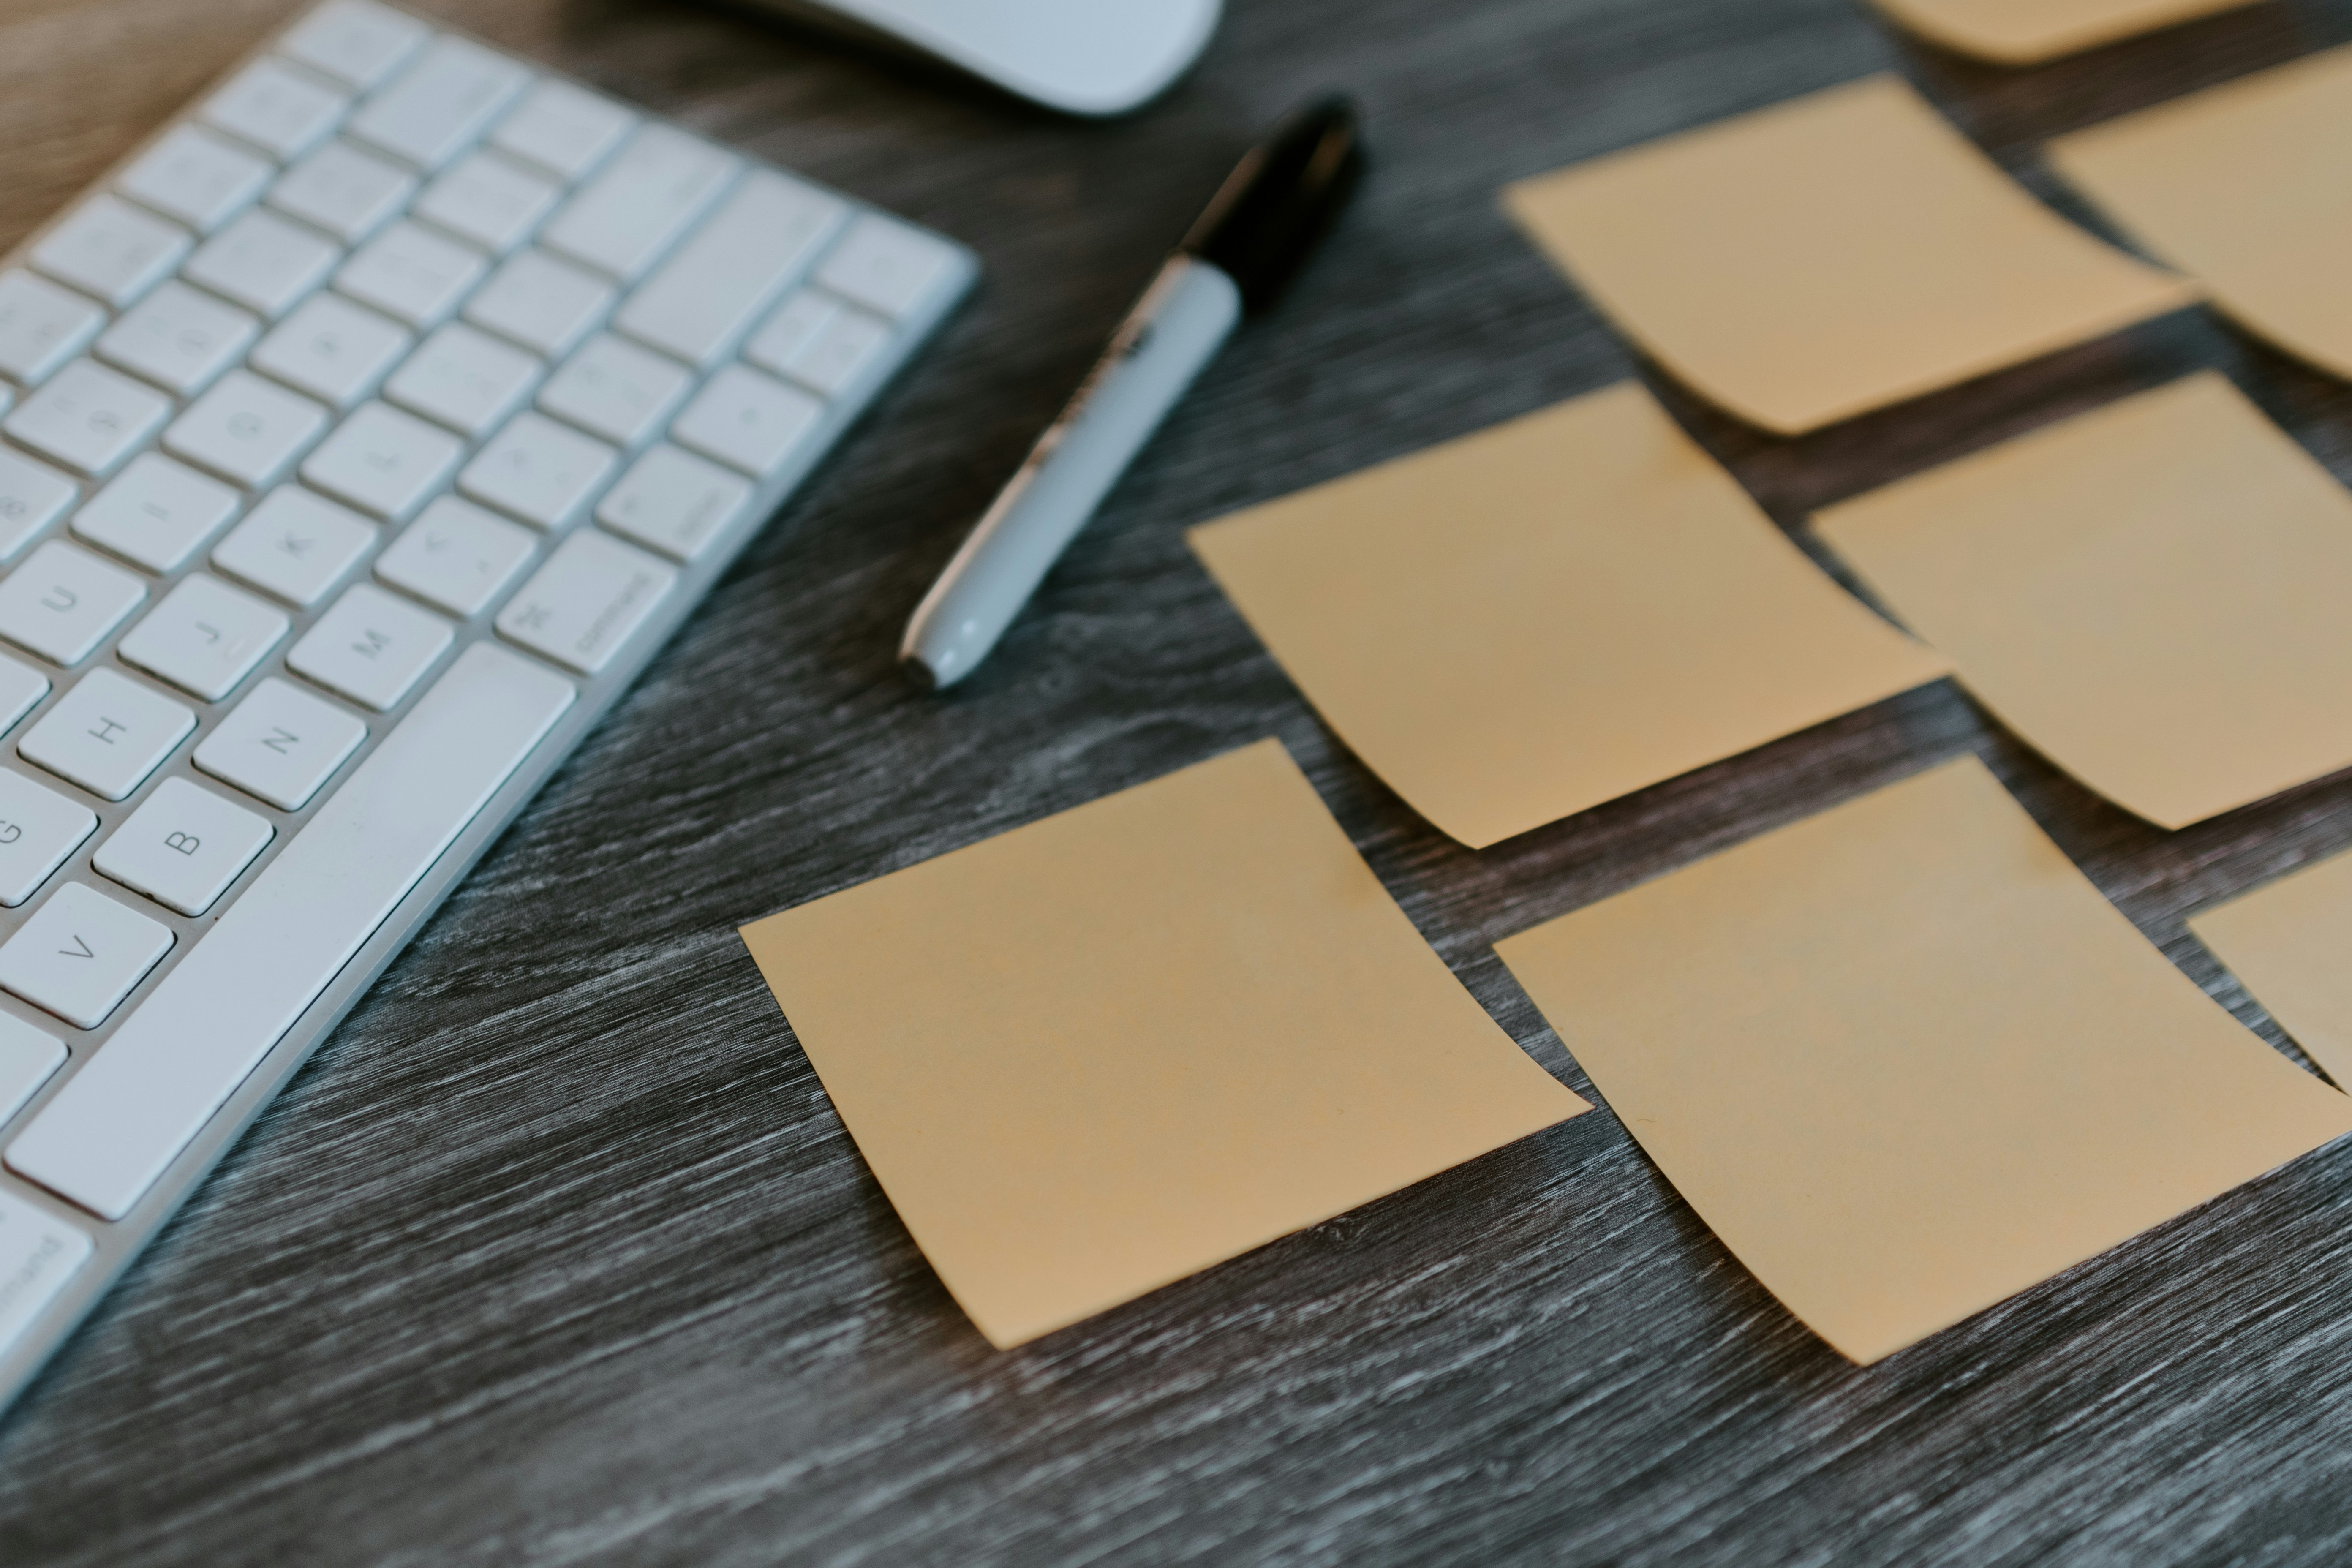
pixel 362 437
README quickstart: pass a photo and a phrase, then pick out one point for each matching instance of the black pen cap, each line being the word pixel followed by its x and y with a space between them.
pixel 1281 199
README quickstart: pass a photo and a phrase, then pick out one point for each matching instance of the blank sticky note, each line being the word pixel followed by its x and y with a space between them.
pixel 2290 943
pixel 2153 595
pixel 1906 1062
pixel 1113 1048
pixel 2027 32
pixel 2244 186
pixel 1516 626
pixel 1829 255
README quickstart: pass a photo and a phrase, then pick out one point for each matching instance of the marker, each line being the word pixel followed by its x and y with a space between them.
pixel 1265 219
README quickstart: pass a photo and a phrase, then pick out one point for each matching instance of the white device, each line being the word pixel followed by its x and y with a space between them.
pixel 1082 57
pixel 362 437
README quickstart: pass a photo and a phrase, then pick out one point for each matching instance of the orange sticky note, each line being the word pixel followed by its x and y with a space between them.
pixel 2290 943
pixel 2027 32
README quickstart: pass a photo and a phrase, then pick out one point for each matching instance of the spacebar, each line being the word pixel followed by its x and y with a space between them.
pixel 125 1116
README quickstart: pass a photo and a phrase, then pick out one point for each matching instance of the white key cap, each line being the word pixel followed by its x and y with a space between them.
pixel 747 420
pixel 456 556
pixel 616 390
pixel 41 326
pixel 840 354
pixel 37 1256
pixel 706 296
pixel 383 462
pixel 465 379
pixel 441 103
pixel 81 955
pixel 489 200
pixel 32 496
pixel 62 602
pixel 674 502
pixel 204 637
pixel 88 418
pixel 628 215
pixel 563 128
pixel 295 545
pixel 27 1058
pixel 411 273
pixel 156 513
pixel 106 734
pixel 280 744
pixel 178 338
pixel 111 251
pixel 106 1136
pixel 38 828
pixel 537 470
pixel 355 40
pixel 370 646
pixel 278 109
pixel 544 304
pixel 581 607
pixel 245 429
pixel 793 327
pixel 348 192
pixel 198 177
pixel 332 349
pixel 21 688
pixel 884 265
pixel 263 262
pixel 183 846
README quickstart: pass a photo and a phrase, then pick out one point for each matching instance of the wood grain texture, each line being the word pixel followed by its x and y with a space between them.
pixel 556 1254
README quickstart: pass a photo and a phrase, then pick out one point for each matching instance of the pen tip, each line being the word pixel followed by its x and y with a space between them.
pixel 920 675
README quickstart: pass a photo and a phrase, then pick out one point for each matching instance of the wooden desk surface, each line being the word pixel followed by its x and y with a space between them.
pixel 556 1253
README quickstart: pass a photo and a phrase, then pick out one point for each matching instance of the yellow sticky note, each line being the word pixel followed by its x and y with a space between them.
pixel 1829 255
pixel 1113 1048
pixel 2243 187
pixel 2027 32
pixel 2152 593
pixel 1516 626
pixel 2290 943
pixel 1906 1062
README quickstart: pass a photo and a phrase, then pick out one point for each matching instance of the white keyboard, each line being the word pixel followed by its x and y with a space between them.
pixel 360 438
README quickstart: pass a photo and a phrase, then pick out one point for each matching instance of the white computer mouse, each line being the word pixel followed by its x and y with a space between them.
pixel 1083 57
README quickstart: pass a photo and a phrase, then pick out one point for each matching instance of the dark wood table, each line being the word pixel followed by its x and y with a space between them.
pixel 556 1253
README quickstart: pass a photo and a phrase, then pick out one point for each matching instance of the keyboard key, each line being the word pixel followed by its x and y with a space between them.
pixel 204 638
pixel 295 545
pixel 441 103
pixel 747 420
pixel 382 461
pixel 198 177
pixel 791 328
pixel 62 602
pixel 37 1256
pixel 537 470
pixel 561 128
pixel 616 390
pixel 278 110
pixel 348 193
pixel 21 690
pixel 645 198
pixel 106 1136
pixel 544 304
pixel 356 41
pixel 410 274
pixel 280 744
pixel 183 846
pixel 581 607
pixel 886 266
pixel 370 646
pixel 263 262
pixel 178 338
pixel 38 828
pixel 111 251
pixel 335 351
pixel 674 502
pixel 81 955
pixel 106 734
pixel 32 496
pixel 27 1059
pixel 245 429
pixel 840 354
pixel 88 417
pixel 706 296
pixel 464 379
pixel 156 513
pixel 489 200
pixel 456 556
pixel 41 326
